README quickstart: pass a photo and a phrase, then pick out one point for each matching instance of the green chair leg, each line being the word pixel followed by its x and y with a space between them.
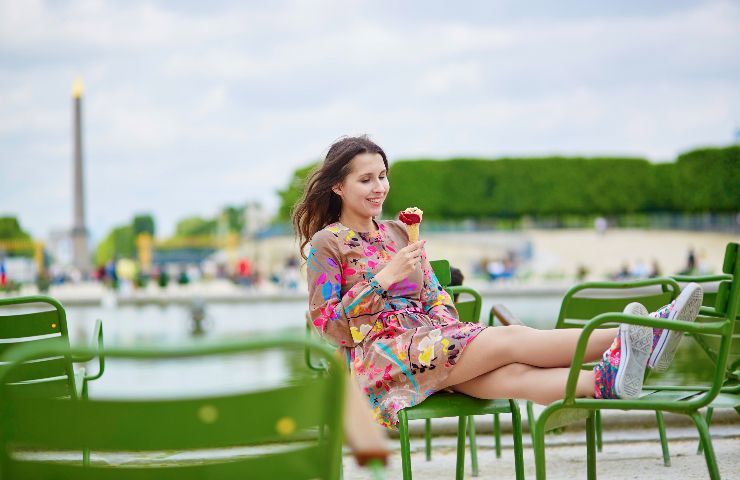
pixel 591 446
pixel 497 434
pixel 531 421
pixel 663 438
pixel 473 446
pixel 709 422
pixel 460 467
pixel 516 423
pixel 428 438
pixel 537 431
pixel 403 431
pixel 599 439
pixel 706 441
pixel 376 469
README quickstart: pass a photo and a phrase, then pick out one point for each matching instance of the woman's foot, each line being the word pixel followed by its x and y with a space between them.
pixel 665 342
pixel 620 372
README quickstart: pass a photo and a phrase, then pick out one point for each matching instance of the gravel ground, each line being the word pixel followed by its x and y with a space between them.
pixel 628 454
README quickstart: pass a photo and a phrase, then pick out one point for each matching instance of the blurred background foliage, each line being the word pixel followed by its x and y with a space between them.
pixel 703 180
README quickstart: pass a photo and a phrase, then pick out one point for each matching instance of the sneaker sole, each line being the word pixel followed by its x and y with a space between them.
pixel 687 308
pixel 637 341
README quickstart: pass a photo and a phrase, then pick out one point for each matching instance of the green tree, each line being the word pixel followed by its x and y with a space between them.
pixel 143 224
pixel 195 227
pixel 119 243
pixel 10 230
pixel 290 195
pixel 234 218
pixel 708 180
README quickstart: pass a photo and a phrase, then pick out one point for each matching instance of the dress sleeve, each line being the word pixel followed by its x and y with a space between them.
pixel 344 320
pixel 436 301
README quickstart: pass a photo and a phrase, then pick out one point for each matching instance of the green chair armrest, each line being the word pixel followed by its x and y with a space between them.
pixel 701 278
pixel 503 315
pixel 96 344
pixel 321 366
pixel 80 380
pixel 717 328
pixel 665 281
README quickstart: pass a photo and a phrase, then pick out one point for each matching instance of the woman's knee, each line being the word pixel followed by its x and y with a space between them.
pixel 512 339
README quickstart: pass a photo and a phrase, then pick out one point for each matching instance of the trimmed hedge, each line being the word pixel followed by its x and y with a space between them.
pixel 705 180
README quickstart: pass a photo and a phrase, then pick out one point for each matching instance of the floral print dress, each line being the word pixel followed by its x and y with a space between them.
pixel 402 343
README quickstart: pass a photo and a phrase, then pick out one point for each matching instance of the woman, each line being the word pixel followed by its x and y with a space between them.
pixel 374 295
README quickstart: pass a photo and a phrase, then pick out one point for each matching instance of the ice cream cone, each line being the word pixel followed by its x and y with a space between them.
pixel 413 231
pixel 411 217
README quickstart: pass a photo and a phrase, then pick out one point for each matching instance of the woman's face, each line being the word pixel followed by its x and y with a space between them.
pixel 364 189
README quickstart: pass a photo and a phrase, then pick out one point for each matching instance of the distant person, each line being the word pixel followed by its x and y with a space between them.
pixel 164 277
pixel 601 225
pixel 183 279
pixel 691 260
pixel 456 279
pixel 244 272
pixel 374 295
pixel 655 269
pixel 291 274
pixel 581 272
pixel 639 269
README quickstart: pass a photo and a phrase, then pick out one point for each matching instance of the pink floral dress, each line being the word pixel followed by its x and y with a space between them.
pixel 402 343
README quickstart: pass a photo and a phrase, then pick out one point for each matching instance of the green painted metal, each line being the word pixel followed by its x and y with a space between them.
pixel 714 305
pixel 446 404
pixel 591 447
pixel 215 421
pixel 473 447
pixel 45 317
pixel 663 438
pixel 684 401
pixel 599 437
pixel 586 300
pixel 428 439
pixel 460 463
pixel 497 434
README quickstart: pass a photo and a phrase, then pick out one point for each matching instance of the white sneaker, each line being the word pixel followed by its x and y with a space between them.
pixel 665 342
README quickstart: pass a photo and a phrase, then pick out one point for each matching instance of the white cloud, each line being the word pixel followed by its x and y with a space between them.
pixel 192 106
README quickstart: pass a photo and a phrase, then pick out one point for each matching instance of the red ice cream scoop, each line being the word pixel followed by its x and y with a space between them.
pixel 409 218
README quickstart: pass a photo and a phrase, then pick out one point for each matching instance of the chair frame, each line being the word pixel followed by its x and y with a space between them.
pixel 121 441
pixel 679 398
pixel 446 404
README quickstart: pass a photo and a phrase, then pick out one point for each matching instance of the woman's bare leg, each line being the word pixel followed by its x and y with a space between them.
pixel 496 347
pixel 516 380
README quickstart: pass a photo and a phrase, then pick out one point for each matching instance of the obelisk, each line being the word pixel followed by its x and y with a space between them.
pixel 80 252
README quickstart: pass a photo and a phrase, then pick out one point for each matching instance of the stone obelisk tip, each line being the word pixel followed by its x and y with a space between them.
pixel 77 88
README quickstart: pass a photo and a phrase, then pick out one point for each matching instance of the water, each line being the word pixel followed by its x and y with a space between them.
pixel 157 325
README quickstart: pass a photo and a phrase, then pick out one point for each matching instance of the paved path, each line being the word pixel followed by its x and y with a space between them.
pixel 631 454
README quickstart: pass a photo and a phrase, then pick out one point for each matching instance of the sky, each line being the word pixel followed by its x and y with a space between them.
pixel 190 105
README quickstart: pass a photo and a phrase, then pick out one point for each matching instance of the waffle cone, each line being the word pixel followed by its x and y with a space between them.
pixel 413 231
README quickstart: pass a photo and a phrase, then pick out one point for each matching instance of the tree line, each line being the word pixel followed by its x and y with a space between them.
pixel 702 180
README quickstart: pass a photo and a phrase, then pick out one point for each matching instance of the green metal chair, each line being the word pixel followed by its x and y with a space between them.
pixel 729 396
pixel 716 323
pixel 447 404
pixel 584 301
pixel 41 320
pixel 282 429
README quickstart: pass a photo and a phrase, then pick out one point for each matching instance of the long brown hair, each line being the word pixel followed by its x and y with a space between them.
pixel 319 206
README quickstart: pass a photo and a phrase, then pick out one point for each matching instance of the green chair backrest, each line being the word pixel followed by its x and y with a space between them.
pixel 468 310
pixel 442 271
pixel 289 415
pixel 709 283
pixel 40 321
pixel 719 303
pixel 586 300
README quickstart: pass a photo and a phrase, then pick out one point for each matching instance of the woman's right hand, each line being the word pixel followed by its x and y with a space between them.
pixel 402 264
